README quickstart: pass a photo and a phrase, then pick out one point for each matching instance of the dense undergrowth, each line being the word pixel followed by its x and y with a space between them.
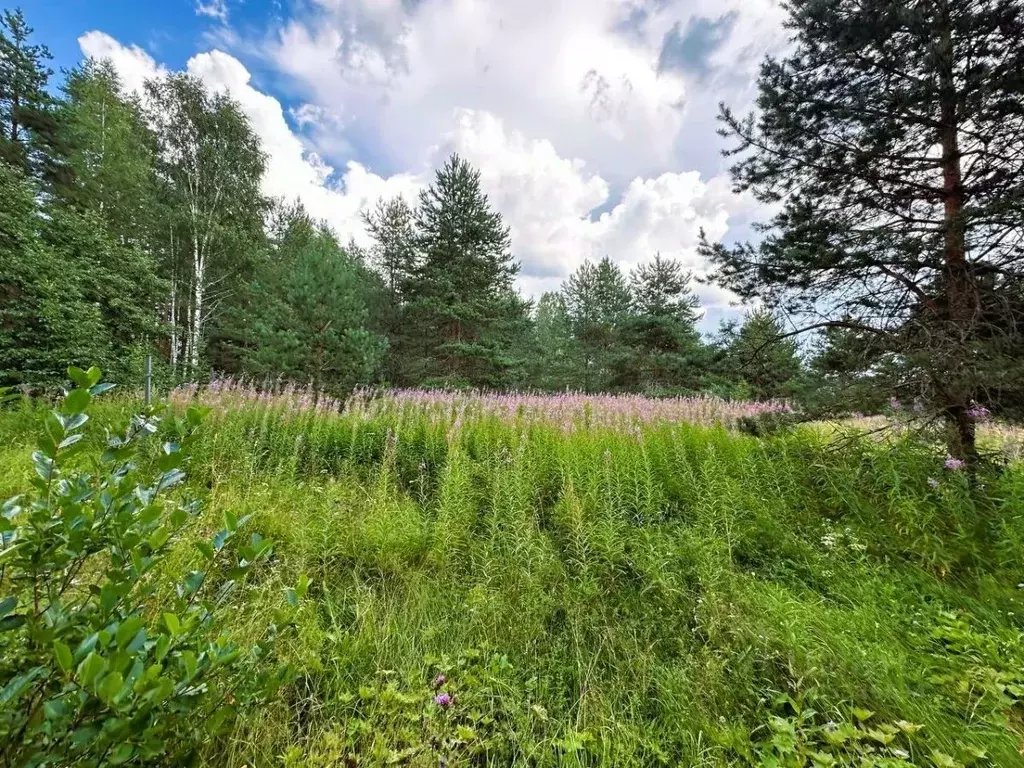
pixel 499 591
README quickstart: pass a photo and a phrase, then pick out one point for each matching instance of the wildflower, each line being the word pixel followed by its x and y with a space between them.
pixel 439 681
pixel 979 412
pixel 443 700
pixel 829 540
pixel 932 482
pixel 953 463
pixel 894 403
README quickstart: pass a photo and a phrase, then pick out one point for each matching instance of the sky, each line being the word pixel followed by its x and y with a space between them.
pixel 592 121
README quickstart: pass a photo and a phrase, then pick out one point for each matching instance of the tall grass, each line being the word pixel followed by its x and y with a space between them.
pixel 607 584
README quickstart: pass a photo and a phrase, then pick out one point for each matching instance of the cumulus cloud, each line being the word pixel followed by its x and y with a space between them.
pixel 575 124
pixel 591 78
pixel 293 170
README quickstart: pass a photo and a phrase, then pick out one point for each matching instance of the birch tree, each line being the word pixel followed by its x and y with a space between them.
pixel 210 163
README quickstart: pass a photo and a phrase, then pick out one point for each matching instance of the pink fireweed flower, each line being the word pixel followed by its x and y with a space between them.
pixel 443 700
pixel 953 464
pixel 439 681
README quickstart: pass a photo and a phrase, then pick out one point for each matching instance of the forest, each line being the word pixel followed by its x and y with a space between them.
pixel 382 509
pixel 136 225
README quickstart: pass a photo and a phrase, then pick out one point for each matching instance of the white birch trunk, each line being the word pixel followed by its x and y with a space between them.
pixel 198 291
pixel 174 324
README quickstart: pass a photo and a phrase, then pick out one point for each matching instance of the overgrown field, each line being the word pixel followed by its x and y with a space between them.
pixel 507 587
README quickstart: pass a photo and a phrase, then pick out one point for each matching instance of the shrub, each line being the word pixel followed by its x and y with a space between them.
pixel 769 423
pixel 101 661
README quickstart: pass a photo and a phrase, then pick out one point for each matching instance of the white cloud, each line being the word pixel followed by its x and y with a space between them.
pixel 133 65
pixel 586 78
pixel 575 132
pixel 215 9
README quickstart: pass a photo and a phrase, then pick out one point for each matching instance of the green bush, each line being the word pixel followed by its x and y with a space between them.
pixel 103 660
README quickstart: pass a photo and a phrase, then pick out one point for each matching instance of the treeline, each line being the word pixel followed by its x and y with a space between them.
pixel 136 225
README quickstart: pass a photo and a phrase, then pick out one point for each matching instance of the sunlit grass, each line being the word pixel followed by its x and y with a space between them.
pixel 629 592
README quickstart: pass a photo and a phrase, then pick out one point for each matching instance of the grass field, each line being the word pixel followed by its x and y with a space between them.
pixel 563 582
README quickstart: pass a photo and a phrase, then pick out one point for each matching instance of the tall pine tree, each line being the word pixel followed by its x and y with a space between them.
pixel 891 138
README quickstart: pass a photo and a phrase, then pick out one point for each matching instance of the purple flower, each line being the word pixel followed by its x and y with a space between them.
pixel 439 681
pixel 894 403
pixel 932 482
pixel 979 413
pixel 443 700
pixel 954 464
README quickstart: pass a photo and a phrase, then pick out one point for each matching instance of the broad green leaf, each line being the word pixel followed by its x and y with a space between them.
pixel 90 667
pixel 44 465
pixel 188 658
pixel 220 539
pixel 7 605
pixel 159 537
pixel 94 375
pixel 18 685
pixel 126 631
pixel 109 686
pixel 163 644
pixel 79 377
pixel 206 549
pixel 172 622
pixel 77 401
pixel 63 655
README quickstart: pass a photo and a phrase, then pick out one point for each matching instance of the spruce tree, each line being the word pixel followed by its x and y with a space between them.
pixel 891 140
pixel 47 320
pixel 662 349
pixel 26 123
pixel 463 315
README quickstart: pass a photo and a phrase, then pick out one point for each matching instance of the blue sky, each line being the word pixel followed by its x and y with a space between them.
pixel 592 121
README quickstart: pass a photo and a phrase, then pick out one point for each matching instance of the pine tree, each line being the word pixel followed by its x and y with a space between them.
pixel 308 316
pixel 394 254
pixel 892 139
pixel 762 356
pixel 392 225
pixel 662 349
pixel 463 315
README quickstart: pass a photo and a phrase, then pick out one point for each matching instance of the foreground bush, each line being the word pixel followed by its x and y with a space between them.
pixel 101 660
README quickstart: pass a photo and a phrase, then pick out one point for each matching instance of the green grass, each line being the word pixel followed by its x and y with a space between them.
pixel 663 595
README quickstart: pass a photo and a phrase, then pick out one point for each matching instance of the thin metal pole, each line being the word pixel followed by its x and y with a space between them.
pixel 149 379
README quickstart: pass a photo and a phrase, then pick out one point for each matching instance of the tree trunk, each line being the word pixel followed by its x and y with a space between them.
pixel 174 324
pixel 198 290
pixel 959 304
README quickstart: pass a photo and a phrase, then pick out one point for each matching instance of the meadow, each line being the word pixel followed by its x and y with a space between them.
pixel 571 581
